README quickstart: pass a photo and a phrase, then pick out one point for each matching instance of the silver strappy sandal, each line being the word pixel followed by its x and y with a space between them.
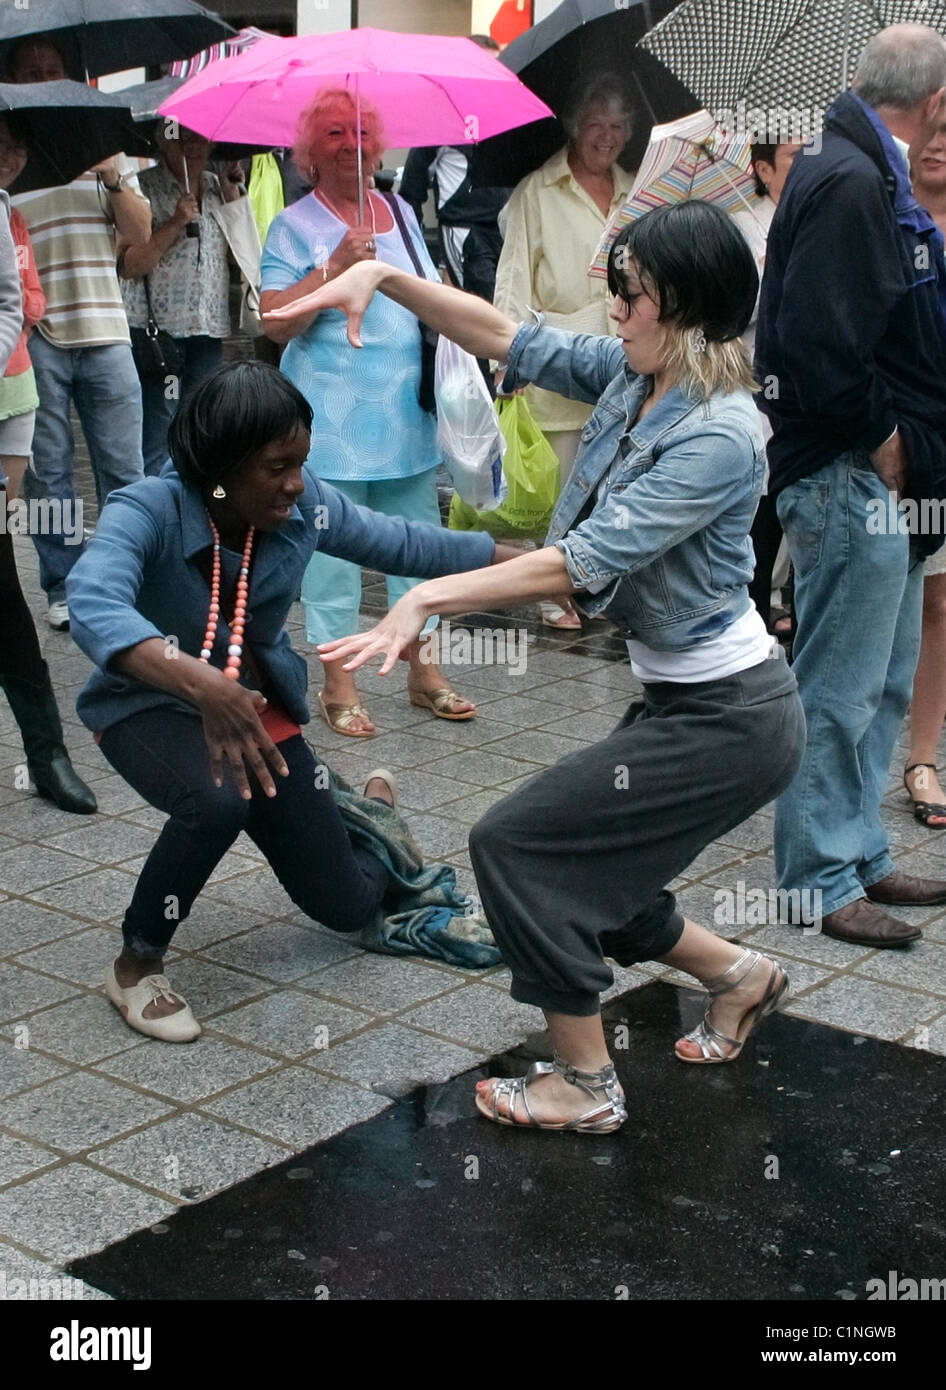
pixel 710 1040
pixel 603 1118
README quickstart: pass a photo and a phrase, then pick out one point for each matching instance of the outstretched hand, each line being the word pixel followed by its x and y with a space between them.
pixel 392 637
pixel 352 292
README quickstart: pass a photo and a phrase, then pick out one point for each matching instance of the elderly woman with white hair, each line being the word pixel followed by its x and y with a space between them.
pixel 553 223
pixel 371 438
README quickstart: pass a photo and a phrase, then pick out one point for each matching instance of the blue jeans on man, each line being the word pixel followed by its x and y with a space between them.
pixel 102 384
pixel 858 600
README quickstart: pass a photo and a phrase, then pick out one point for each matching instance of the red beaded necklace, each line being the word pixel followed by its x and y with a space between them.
pixel 235 649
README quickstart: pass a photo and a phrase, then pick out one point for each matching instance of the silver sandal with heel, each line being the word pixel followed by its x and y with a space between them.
pixel 603 1118
pixel 709 1039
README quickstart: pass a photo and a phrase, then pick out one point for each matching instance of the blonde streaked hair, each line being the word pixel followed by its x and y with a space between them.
pixel 692 259
pixel 303 149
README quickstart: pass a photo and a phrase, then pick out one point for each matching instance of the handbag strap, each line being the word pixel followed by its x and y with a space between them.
pixel 153 326
pixel 398 216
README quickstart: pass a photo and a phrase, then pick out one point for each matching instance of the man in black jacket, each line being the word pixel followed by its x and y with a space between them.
pixel 851 354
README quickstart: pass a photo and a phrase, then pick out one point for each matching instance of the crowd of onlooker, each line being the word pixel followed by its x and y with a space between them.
pixel 126 277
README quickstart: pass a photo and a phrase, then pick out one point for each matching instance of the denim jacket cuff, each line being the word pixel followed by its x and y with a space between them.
pixel 582 570
pixel 524 335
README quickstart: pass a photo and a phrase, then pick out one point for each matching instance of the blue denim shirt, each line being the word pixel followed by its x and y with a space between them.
pixel 665 547
pixel 139 577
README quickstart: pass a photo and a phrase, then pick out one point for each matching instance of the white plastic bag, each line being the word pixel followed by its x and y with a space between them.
pixel 468 430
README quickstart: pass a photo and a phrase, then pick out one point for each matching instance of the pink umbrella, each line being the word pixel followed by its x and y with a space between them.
pixel 428 90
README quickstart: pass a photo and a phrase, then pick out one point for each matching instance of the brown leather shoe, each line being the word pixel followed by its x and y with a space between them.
pixel 907 891
pixel 865 925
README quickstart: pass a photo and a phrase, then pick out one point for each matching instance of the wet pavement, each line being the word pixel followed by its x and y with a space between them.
pixel 809 1168
pixel 104 1133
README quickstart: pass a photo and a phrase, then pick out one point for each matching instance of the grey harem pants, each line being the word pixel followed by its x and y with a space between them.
pixel 573 865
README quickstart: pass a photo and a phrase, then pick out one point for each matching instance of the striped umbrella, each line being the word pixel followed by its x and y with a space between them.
pixel 690 158
pixel 228 48
pixel 775 53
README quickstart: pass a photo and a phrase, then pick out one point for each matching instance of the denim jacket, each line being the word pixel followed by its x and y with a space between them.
pixel 140 577
pixel 654 519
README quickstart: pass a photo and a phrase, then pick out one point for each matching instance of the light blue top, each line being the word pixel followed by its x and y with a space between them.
pixel 368 423
pixel 664 548
pixel 140 576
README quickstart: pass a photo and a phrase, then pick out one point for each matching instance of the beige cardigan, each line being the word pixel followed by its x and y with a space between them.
pixel 552 230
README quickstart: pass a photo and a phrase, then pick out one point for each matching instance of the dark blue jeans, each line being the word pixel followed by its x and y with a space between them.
pixel 162 754
pixel 160 402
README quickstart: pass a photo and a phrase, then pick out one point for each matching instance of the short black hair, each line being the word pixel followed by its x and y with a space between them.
pixel 757 152
pixel 18 126
pixel 235 411
pixel 699 263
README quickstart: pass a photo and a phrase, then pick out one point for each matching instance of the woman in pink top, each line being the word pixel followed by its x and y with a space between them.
pixel 24 674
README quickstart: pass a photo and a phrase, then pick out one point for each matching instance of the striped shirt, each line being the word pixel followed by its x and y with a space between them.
pixel 73 235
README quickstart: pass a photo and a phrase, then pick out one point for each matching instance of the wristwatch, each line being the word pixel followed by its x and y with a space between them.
pixel 114 187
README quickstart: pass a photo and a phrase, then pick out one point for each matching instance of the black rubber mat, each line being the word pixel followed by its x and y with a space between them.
pixel 808 1168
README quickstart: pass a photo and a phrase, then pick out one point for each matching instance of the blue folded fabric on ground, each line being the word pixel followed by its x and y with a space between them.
pixel 424 912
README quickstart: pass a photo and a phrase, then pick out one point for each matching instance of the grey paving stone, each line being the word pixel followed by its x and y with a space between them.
pixel 291 1023
pixel 188 1072
pixel 537 745
pixel 470 733
pixel 421 791
pixel 935 1038
pixel 801 973
pixel 92 1210
pixel 189 1157
pixel 438 835
pixel 23 991
pixel 561 664
pixel 516 711
pixel 393 1055
pixel 211 921
pixel 104 841
pixel 82 957
pixel 859 1006
pixel 18 1158
pixel 258 891
pixel 473 804
pixel 100 896
pixel 400 750
pixel 922 966
pixel 704 904
pixel 478 1017
pixel 84 1029
pixel 801 945
pixel 758 870
pixel 481 767
pixel 209 988
pixel 381 984
pixel 24 924
pixel 116 797
pixel 78 1112
pixel 23 868
pixel 297 1106
pixel 590 725
pixel 753 834
pixel 24 1279
pixel 281 951
pixel 22 1066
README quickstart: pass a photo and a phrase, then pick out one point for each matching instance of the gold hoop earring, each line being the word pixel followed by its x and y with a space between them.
pixel 219 492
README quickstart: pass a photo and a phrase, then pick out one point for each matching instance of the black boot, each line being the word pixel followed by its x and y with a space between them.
pixel 34 709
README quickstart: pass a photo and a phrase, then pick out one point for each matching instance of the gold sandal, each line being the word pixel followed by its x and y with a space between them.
pixel 439 702
pixel 339 718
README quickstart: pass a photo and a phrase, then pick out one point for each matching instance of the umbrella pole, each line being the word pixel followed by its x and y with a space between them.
pixel 361 175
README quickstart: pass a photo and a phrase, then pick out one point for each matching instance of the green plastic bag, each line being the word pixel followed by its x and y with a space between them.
pixel 531 468
pixel 265 192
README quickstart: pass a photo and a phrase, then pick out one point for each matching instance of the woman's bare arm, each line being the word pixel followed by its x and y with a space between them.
pixel 468 320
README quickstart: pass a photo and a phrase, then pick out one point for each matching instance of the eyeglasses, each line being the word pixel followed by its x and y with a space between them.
pixel 18 151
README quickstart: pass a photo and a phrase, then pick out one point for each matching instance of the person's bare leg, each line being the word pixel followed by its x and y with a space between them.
pixel 426 677
pixel 578 1041
pixel 129 969
pixel 339 688
pixel 702 954
pixel 14 466
pixel 928 709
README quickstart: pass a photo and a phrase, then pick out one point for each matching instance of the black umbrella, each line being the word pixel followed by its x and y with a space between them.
pixel 144 98
pixel 579 39
pixel 68 127
pixel 98 36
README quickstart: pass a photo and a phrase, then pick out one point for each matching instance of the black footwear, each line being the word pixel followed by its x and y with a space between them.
pixel 34 708
pixel 925 811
